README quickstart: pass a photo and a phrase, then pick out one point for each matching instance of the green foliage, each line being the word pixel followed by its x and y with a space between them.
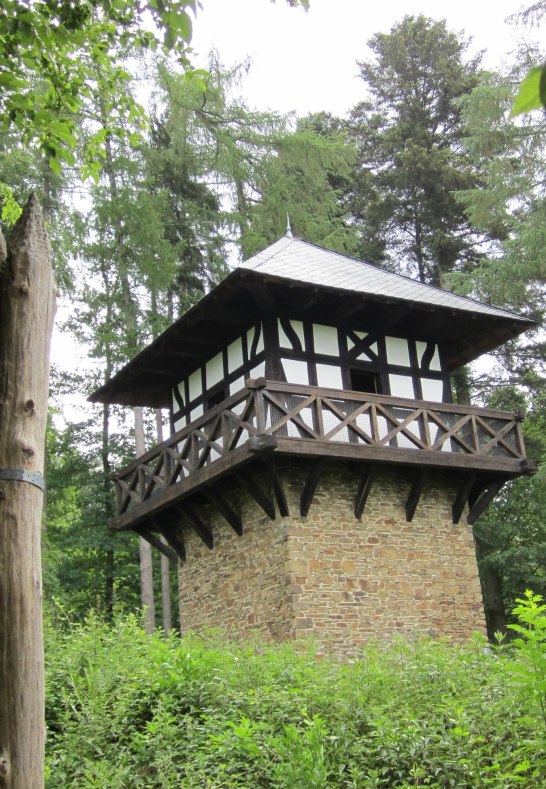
pixel 54 54
pixel 81 557
pixel 531 94
pixel 10 208
pixel 126 709
pixel 304 179
pixel 411 161
pixel 531 645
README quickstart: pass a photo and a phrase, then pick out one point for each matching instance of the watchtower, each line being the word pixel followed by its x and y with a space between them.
pixel 319 479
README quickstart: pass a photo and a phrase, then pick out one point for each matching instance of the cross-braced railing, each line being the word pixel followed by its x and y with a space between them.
pixel 294 419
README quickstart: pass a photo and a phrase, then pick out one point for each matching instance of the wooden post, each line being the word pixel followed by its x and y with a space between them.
pixel 145 549
pixel 26 317
pixel 165 563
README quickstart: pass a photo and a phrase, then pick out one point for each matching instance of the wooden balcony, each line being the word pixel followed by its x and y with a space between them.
pixel 267 420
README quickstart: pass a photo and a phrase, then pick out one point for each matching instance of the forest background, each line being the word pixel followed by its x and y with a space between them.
pixel 158 176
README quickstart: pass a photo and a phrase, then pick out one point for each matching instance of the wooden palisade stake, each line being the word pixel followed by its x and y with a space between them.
pixel 26 318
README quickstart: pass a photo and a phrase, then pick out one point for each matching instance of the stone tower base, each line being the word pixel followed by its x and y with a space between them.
pixel 330 576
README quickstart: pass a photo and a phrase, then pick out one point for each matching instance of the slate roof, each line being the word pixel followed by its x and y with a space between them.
pixel 301 280
pixel 294 259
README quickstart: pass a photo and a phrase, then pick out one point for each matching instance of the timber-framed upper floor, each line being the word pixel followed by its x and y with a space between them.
pixel 268 420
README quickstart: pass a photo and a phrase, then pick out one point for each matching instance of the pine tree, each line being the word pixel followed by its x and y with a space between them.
pixel 411 160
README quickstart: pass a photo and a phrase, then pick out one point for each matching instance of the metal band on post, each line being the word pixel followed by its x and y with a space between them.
pixel 32 477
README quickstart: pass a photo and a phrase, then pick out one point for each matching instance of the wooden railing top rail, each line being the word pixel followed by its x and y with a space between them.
pixel 247 394
pixel 391 400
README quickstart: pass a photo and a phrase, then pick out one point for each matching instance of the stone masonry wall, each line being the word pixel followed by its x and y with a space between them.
pixel 333 578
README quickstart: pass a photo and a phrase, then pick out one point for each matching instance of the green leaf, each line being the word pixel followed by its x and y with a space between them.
pixel 530 92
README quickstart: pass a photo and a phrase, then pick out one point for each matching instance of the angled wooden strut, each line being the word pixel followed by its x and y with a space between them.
pixel 479 501
pixel 416 492
pixel 225 509
pixel 154 540
pixel 277 485
pixel 310 485
pixel 169 526
pixel 364 487
pixel 463 494
pixel 175 539
pixel 262 498
pixel 199 526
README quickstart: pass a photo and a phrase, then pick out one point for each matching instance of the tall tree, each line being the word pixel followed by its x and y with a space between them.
pixel 411 159
pixel 304 177
pixel 512 205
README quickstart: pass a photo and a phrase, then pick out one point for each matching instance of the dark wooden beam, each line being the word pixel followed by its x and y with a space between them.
pixel 415 493
pixel 226 510
pixel 156 542
pixel 462 496
pixel 262 296
pixel 201 529
pixel 483 501
pixel 364 487
pixel 175 538
pixel 260 496
pixel 277 485
pixel 310 486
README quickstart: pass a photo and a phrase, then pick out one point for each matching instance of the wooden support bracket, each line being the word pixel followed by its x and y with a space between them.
pixel 310 486
pixel 200 528
pixel 277 485
pixel 462 497
pixel 483 500
pixel 364 488
pixel 260 496
pixel 156 542
pixel 225 509
pixel 173 535
pixel 415 493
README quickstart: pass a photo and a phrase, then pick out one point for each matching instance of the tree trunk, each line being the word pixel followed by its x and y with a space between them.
pixel 145 549
pixel 165 563
pixel 495 613
pixel 26 308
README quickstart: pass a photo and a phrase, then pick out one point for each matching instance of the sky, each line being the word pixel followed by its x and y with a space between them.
pixel 307 61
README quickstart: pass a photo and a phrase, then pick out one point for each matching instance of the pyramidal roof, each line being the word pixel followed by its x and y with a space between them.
pixel 301 280
pixel 293 259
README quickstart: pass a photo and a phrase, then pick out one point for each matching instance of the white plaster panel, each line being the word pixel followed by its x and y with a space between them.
pixel 235 355
pixel 237 385
pixel 397 351
pixel 195 384
pixel 250 339
pixel 325 340
pixel 297 326
pixel 295 371
pixel 360 334
pixel 196 412
pixel 432 389
pixel 434 362
pixel 179 424
pixel 214 370
pixel 258 371
pixel 401 386
pixel 260 346
pixel 329 375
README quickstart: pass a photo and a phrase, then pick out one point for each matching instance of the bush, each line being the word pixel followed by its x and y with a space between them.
pixel 128 710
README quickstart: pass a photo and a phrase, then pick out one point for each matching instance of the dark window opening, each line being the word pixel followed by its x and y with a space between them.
pixel 364 381
pixel 216 398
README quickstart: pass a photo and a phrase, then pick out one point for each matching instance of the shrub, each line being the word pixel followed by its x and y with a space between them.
pixel 128 710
